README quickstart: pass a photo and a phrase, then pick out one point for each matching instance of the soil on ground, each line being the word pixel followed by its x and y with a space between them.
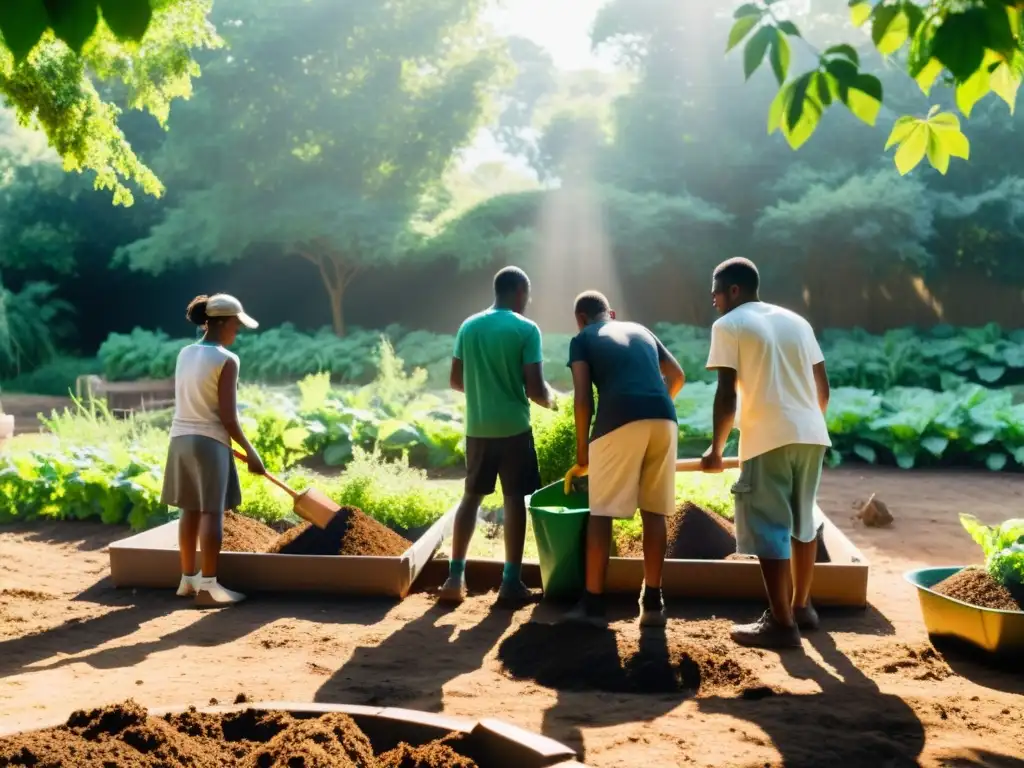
pixel 976 587
pixel 694 533
pixel 244 534
pixel 127 736
pixel 350 532
pixel 581 658
pixel 868 689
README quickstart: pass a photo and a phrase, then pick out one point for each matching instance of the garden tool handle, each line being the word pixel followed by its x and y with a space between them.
pixel 279 483
pixel 693 465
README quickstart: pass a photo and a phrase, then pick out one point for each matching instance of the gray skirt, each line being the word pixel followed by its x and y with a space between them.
pixel 200 475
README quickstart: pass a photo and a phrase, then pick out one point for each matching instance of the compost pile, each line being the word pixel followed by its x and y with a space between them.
pixel 976 587
pixel 694 533
pixel 350 532
pixel 127 736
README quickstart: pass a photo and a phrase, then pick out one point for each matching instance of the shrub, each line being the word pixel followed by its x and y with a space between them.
pixel 56 377
pixel 390 491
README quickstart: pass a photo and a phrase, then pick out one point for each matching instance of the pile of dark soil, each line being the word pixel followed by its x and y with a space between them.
pixel 581 658
pixel 436 754
pixel 976 587
pixel 350 532
pixel 694 533
pixel 243 534
pixel 125 735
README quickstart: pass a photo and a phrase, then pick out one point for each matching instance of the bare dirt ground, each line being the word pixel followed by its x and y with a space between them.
pixel 867 691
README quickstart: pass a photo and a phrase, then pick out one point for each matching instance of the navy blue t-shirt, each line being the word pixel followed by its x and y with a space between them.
pixel 624 360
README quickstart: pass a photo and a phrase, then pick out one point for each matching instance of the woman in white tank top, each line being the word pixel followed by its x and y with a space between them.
pixel 200 478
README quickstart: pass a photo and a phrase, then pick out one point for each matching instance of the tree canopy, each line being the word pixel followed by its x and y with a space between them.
pixel 320 133
pixel 975 46
pixel 64 70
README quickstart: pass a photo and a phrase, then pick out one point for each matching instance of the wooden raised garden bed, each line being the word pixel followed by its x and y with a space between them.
pixel 150 560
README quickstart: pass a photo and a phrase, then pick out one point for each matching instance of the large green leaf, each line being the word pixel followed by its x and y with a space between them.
pixel 959 43
pixel 890 29
pixel 972 90
pixel 863 97
pixel 128 19
pixel 22 23
pixel 740 30
pixel 912 149
pixel 860 12
pixel 779 56
pixel 73 21
pixel 756 48
pixel 338 453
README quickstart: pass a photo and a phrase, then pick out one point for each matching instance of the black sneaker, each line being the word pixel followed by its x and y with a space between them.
pixel 766 632
pixel 587 612
pixel 652 610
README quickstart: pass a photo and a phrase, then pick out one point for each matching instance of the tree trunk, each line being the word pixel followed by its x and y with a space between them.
pixel 337 309
pixel 335 274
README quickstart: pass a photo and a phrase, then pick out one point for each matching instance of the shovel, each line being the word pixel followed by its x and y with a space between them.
pixel 693 465
pixel 579 484
pixel 311 505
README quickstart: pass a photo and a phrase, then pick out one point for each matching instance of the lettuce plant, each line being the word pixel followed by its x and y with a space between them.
pixel 1003 547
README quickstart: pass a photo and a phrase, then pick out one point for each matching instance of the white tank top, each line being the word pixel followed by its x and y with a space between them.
pixel 196 381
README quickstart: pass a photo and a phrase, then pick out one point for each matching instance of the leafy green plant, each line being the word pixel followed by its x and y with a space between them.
pixel 32 325
pixel 1002 546
pixel 554 436
pixel 56 377
pixel 391 492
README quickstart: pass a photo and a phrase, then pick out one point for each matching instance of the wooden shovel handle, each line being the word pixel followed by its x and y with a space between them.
pixel 279 483
pixel 693 465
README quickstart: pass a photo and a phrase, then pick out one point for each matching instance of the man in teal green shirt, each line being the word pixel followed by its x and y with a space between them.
pixel 498 364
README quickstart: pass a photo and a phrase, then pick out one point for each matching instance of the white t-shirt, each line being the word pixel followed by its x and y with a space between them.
pixel 773 352
pixel 196 401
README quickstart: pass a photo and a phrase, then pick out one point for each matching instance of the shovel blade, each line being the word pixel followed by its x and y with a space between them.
pixel 316 507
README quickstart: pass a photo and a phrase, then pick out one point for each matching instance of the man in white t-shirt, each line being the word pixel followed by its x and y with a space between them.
pixel 771 371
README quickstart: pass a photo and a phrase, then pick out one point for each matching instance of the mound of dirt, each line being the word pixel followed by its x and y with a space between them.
pixel 436 754
pixel 350 532
pixel 976 587
pixel 694 533
pixel 568 657
pixel 125 735
pixel 243 534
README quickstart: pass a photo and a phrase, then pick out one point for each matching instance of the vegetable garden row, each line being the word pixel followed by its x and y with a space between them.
pixel 941 359
pixel 387 433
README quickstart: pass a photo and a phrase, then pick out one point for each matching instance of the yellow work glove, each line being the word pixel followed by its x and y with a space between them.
pixel 576 471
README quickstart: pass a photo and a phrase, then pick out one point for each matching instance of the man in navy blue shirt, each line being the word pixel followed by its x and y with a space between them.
pixel 630 455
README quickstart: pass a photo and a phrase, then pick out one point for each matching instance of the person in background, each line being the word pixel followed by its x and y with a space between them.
pixel 768 360
pixel 200 478
pixel 498 365
pixel 631 453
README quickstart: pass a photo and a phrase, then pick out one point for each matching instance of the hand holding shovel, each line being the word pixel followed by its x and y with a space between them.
pixel 311 505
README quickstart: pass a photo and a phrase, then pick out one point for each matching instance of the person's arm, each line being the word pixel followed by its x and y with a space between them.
pixel 583 406
pixel 820 374
pixel 822 385
pixel 533 371
pixel 671 371
pixel 724 410
pixel 455 377
pixel 227 401
pixel 723 358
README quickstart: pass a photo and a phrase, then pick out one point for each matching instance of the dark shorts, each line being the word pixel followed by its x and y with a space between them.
pixel 513 459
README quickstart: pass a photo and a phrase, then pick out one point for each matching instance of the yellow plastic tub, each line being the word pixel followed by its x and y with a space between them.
pixel 994 631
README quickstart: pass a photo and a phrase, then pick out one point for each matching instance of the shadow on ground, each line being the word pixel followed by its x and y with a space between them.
pixel 381 674
pixel 82 641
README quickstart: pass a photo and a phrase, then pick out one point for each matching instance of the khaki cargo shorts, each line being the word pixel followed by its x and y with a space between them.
pixel 775 500
pixel 634 467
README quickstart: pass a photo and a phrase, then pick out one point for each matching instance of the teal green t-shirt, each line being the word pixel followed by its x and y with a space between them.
pixel 493 346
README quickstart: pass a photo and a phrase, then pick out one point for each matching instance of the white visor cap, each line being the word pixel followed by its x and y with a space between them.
pixel 223 305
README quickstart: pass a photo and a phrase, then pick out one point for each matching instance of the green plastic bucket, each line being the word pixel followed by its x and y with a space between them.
pixel 560 527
